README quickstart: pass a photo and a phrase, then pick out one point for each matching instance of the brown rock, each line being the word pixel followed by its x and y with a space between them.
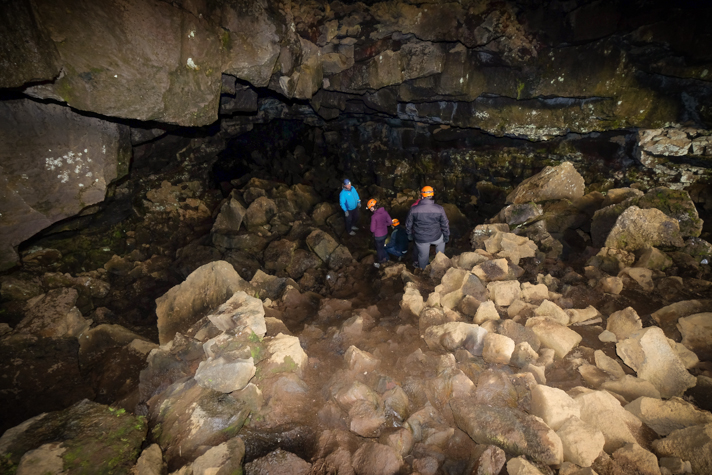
pixel 552 183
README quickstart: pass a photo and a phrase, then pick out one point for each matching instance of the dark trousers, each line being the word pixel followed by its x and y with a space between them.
pixel 381 253
pixel 351 219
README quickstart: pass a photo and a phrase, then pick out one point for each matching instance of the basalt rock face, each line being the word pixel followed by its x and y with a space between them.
pixel 509 68
pixel 55 164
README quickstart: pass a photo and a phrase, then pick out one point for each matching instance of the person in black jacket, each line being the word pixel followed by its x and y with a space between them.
pixel 427 224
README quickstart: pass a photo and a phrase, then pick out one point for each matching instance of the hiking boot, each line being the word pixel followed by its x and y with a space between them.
pixel 353 228
pixel 352 233
pixel 376 265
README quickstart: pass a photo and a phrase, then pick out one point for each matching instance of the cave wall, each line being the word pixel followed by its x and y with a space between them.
pixel 463 95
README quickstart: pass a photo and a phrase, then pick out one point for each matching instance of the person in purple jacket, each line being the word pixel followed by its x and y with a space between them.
pixel 380 221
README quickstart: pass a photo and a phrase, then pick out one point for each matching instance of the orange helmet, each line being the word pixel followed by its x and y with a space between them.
pixel 395 222
pixel 427 191
pixel 371 203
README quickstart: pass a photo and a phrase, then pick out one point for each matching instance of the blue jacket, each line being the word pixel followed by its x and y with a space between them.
pixel 349 199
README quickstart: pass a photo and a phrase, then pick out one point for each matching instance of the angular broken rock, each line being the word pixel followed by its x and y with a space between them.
pixel 630 387
pixel 522 466
pixel 553 405
pixel 552 183
pixel 696 331
pixel 643 277
pixel 488 271
pixel 511 246
pixel 373 458
pixel 534 293
pixel 665 417
pixel 603 412
pixel 582 442
pixel 53 315
pixel 487 459
pixel 512 430
pixel 286 353
pixel 497 348
pixel 641 228
pixel 552 311
pixel 454 335
pixel 366 419
pixel 208 287
pixel 623 323
pixel 554 335
pixel 608 364
pixel 483 232
pixel 504 293
pixel 412 301
pixel 438 266
pixel 242 313
pixel 224 458
pixel 648 352
pixel 633 458
pixel 692 443
pixel 668 316
pixel 192 417
pixel 276 462
pixel 486 311
pixel 230 218
pixel 224 375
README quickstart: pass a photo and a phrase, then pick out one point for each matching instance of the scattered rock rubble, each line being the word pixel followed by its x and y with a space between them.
pixel 498 356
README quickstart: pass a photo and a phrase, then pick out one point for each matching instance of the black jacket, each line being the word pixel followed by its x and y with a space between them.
pixel 427 221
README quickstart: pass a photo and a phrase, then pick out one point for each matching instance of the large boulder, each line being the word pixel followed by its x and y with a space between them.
pixel 552 183
pixel 55 163
pixel 665 417
pixel 84 435
pixel 638 228
pixel 230 217
pixel 205 289
pixel 692 443
pixel 53 315
pixel 677 205
pixel 604 412
pixel 329 251
pixel 189 417
pixel 649 353
pixel 510 429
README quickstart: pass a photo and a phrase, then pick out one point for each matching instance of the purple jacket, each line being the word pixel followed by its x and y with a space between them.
pixel 380 222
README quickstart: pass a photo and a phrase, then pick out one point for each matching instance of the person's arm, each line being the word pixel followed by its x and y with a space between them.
pixel 342 201
pixel 409 225
pixel 444 225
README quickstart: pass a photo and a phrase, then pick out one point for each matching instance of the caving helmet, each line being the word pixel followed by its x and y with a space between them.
pixel 427 191
pixel 347 181
pixel 371 203
pixel 395 222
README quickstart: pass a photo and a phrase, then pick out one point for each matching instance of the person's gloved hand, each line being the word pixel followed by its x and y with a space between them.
pixel 346 213
pixel 359 205
pixel 446 239
pixel 410 237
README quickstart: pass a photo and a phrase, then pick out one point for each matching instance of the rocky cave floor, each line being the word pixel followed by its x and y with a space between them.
pixel 529 348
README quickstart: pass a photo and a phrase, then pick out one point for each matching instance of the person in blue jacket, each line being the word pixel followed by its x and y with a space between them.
pixel 350 204
pixel 398 244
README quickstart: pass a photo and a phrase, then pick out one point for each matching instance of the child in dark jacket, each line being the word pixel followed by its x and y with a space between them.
pixel 380 221
pixel 398 244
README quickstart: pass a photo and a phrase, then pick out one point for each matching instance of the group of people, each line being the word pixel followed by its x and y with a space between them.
pixel 426 225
